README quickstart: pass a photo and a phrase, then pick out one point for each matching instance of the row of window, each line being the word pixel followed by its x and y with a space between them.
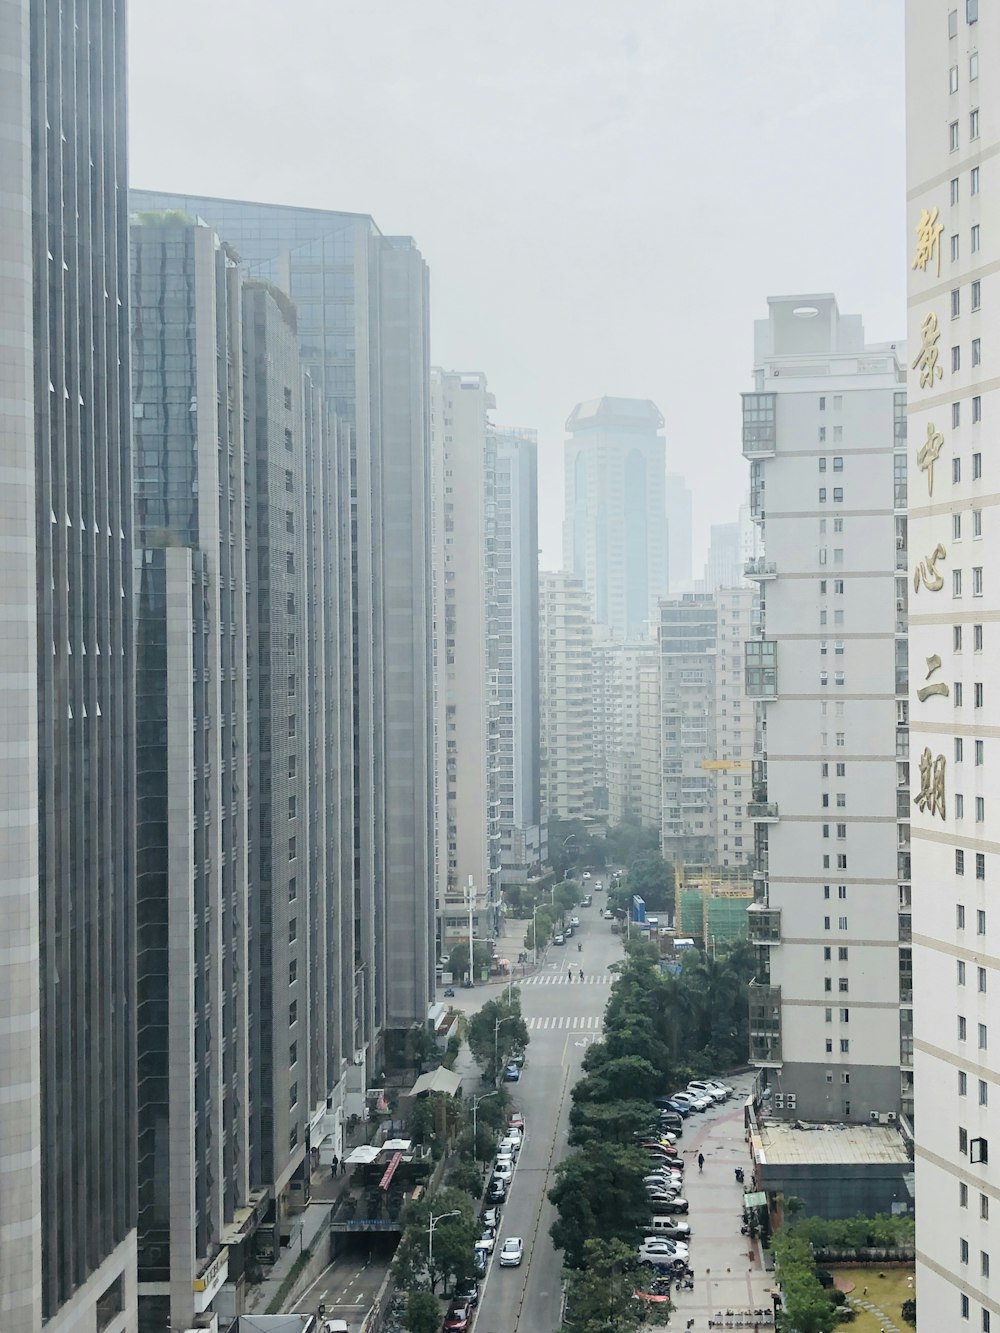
pixel 980 976
pixel 976 350
pixel 963 1028
pixel 960 918
pixel 975 294
pixel 953 135
pixel 980 808
pixel 979 751
pixel 984 1201
pixel 978 695
pixel 953 189
pixel 842 985
pixel 977 525
pixel 971 15
pixel 841 800
pixel 977 467
pixel 838 678
pixel 838 495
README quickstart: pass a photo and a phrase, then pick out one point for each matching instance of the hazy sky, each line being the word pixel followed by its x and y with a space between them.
pixel 605 194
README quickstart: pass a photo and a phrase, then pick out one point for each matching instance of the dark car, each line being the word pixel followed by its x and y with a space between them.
pixel 480 1259
pixel 511 1074
pixel 674 1205
pixel 497 1191
pixel 457 1318
pixel 467 1294
pixel 673 1121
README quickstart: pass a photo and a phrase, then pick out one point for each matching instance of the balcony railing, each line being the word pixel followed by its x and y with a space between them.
pixel 764 812
pixel 760 569
pixel 764 925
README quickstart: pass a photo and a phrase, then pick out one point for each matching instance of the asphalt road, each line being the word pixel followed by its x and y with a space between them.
pixel 563 1018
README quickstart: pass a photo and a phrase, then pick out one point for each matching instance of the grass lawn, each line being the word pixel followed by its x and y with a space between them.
pixel 888 1293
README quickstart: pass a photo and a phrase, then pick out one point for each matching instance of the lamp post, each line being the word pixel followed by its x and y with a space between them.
pixel 475 1109
pixel 496 1041
pixel 432 1222
pixel 534 931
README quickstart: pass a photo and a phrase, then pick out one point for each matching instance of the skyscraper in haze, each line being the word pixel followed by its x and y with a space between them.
pixel 679 524
pixel 615 529
pixel 67 980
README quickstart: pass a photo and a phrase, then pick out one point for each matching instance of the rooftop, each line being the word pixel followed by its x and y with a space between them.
pixel 802 1143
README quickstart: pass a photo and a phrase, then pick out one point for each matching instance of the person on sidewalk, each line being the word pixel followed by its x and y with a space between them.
pixel 333 1165
pixel 701 1160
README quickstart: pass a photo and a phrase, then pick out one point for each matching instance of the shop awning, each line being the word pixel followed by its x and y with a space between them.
pixel 756 1200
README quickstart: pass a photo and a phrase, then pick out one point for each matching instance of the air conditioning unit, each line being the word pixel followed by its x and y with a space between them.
pixel 873 1117
pixel 779 1101
pixel 891 1117
pixel 790 1101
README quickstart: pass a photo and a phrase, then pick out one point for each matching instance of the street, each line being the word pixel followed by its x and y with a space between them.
pixel 563 1018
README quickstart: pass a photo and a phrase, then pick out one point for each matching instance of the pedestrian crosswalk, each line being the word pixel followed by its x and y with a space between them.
pixel 568 978
pixel 567 1024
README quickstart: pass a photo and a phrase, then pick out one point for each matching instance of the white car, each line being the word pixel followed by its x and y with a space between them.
pixel 585 875
pixel 574 921
pixel 702 1089
pixel 608 914
pixel 503 1169
pixel 663 1252
pixel 511 1252
pixel 723 1087
pixel 487 1240
pixel 558 939
pixel 510 1146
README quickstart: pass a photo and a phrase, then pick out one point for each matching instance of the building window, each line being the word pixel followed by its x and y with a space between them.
pixel 841 922
pixel 838 462
pixel 956 471
pixel 953 79
pixel 974 181
pixel 292 888
pixel 822 495
pixel 974 66
pixel 977 409
pixel 841 770
pixel 842 985
pixel 977 638
pixel 963 1306
pixel 293 971
pixel 953 137
pixel 977 351
pixel 956 527
pixel 977 580
pixel 977 467
pixel 980 865
pixel 974 238
pixel 960 916
pixel 956 359
pixel 293 1013
pixel 971 10
pixel 956 415
pixel 953 246
pixel 845 1046
pixel 977 522
pixel 953 190
pixel 956 302
pixel 963 1083
pixel 977 694
pixel 962 1028
pixel 960 966
pixel 963 1251
pixel 963 1195
pixel 838 587
pixel 981 980
pixel 959 749
pixel 957 693
pixel 976 294
pixel 982 1036
pixel 980 922
pixel 838 495
pixel 984 1207
pixel 963 1140
pixel 974 123
pixel 959 806
pixel 842 953
pixel 956 638
pixel 956 583
pixel 959 860
pixel 953 23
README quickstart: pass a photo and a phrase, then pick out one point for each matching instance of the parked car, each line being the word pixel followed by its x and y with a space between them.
pixel 503 1169
pixel 457 1318
pixel 668 1227
pixel 511 1074
pixel 586 901
pixel 608 915
pixel 480 1260
pixel 675 1205
pixel 497 1191
pixel 516 1121
pixel 654 1245
pixel 559 939
pixel 468 1293
pixel 672 1107
pixel 574 921
pixel 510 1145
pixel 488 1239
pixel 672 1122
pixel 703 1089
pixel 511 1252
pixel 490 1217
pixel 687 1099
pixel 585 875
pixel 718 1083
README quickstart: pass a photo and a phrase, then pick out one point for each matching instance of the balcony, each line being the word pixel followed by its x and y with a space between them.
pixel 760 569
pixel 764 812
pixel 764 924
pixel 759 425
pixel 765 1024
pixel 761 669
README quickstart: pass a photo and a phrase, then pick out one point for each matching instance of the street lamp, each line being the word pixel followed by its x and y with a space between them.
pixel 475 1108
pixel 496 1041
pixel 432 1222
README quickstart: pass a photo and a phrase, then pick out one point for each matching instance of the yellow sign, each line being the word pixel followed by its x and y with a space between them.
pixel 928 454
pixel 212 1271
pixel 930 797
pixel 929 231
pixel 939 687
pixel 927 357
pixel 927 571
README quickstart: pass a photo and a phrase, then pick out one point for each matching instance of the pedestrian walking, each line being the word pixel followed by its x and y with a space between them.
pixel 343 1166
pixel 581 973
pixel 701 1160
pixel 334 1165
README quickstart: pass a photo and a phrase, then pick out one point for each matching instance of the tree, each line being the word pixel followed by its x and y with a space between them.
pixel 630 1078
pixel 454 1241
pixel 652 879
pixel 467 1177
pixel 565 897
pixel 458 959
pixel 543 921
pixel 808 1308
pixel 608 1122
pixel 491 1046
pixel 421 1045
pixel 598 1195
pixel 600 1295
pixel 423 1312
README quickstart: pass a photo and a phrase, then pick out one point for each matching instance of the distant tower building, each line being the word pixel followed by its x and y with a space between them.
pixel 565 656
pixel 626 729
pixel 615 530
pixel 679 524
pixel 688 635
pixel 831 1005
pixel 514 626
pixel 736 609
pixel 466 687
pixel 724 568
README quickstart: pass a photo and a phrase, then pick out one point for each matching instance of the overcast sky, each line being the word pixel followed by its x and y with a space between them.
pixel 605 193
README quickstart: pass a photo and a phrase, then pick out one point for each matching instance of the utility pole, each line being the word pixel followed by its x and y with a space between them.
pixel 432 1222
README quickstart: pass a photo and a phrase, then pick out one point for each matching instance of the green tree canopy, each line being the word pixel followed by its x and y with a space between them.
pixel 629 1078
pixel 454 1241
pixel 600 1196
pixel 608 1122
pixel 491 1046
pixel 423 1312
pixel 458 959
pixel 652 879
pixel 600 1295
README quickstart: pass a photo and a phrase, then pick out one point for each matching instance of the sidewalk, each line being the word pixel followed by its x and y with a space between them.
pixel 729 1272
pixel 313 1234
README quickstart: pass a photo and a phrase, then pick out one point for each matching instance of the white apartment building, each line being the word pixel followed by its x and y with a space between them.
pixel 953 129
pixel 565 651
pixel 831 804
pixel 736 612
pixel 466 708
pixel 626 728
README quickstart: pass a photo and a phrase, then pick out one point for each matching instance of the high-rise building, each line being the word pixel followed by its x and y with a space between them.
pixel 514 625
pixel 954 478
pixel 688 642
pixel 736 613
pixel 565 652
pixel 724 566
pixel 679 526
pixel 193 772
pixel 464 518
pixel 67 967
pixel 362 315
pixel 615 530
pixel 830 1006
pixel 626 729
